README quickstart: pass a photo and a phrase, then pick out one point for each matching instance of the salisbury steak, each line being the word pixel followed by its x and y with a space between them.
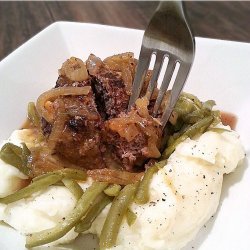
pixel 135 135
pixel 94 130
pixel 75 130
pixel 112 81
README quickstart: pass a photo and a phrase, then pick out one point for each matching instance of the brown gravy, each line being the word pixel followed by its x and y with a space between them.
pixel 228 119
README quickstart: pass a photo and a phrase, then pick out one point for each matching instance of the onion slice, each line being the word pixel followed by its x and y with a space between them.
pixel 52 94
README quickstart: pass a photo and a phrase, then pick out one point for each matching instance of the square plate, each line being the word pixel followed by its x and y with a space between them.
pixel 220 72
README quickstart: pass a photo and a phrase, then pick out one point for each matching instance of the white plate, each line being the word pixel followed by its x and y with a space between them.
pixel 221 71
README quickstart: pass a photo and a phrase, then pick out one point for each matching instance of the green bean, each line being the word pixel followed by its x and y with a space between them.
pixel 73 187
pixel 16 149
pixel 25 155
pixel 170 149
pixel 32 114
pixel 161 164
pixel 193 98
pixel 44 176
pixel 171 140
pixel 101 202
pixel 216 114
pixel 131 217
pixel 69 173
pixel 219 130
pixel 178 125
pixel 142 194
pixel 176 135
pixel 115 216
pixel 208 105
pixel 75 174
pixel 184 106
pixel 10 154
pixel 58 184
pixel 194 116
pixel 30 189
pixel 184 128
pixel 16 156
pixel 112 190
pixel 72 219
pixel 199 126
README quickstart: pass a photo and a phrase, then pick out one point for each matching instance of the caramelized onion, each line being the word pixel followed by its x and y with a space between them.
pixel 74 69
pixel 126 126
pixel 142 106
pixel 114 176
pixel 55 93
pixel 117 62
pixel 128 76
pixel 93 64
pixel 138 121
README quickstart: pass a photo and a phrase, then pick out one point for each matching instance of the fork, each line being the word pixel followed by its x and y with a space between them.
pixel 167 35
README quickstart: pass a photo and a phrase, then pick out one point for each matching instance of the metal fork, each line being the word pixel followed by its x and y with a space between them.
pixel 167 35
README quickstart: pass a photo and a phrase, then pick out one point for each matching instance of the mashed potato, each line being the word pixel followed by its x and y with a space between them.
pixel 11 178
pixel 184 194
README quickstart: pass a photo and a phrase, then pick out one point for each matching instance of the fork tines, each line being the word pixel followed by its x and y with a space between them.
pixel 142 68
pixel 168 35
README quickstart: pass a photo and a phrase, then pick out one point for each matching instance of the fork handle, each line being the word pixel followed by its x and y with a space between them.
pixel 171 7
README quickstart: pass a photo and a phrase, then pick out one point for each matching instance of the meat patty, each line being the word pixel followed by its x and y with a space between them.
pixel 136 137
pixel 79 140
pixel 112 93
pixel 109 89
pixel 95 130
